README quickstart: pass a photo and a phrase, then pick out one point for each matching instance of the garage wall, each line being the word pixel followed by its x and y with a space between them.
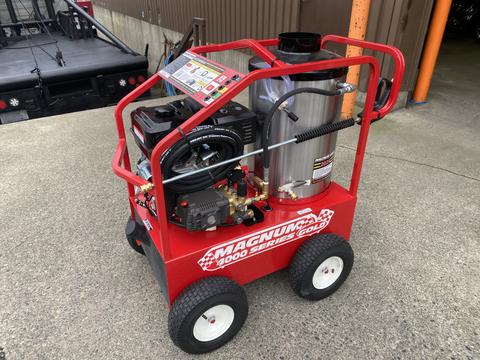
pixel 226 19
pixel 402 23
pixel 326 17
pixel 145 33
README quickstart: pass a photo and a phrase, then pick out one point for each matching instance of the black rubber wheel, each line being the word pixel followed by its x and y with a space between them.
pixel 131 232
pixel 320 266
pixel 476 31
pixel 207 315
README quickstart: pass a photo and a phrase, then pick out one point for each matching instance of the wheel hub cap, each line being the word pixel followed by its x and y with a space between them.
pixel 213 323
pixel 327 272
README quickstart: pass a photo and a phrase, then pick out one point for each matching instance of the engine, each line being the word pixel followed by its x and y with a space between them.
pixel 217 197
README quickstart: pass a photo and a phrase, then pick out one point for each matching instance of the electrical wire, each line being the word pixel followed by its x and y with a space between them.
pixel 169 87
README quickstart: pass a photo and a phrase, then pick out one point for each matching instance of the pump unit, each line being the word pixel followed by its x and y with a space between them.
pixel 223 194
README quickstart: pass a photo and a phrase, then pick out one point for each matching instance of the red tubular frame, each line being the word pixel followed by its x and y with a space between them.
pixel 121 161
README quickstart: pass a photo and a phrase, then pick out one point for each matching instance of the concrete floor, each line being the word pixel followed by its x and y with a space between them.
pixel 71 288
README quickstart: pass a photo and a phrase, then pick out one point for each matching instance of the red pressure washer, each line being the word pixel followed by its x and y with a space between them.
pixel 208 224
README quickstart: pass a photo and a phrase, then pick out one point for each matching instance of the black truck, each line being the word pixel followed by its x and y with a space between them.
pixel 53 61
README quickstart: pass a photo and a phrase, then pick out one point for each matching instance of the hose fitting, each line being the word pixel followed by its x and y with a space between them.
pixel 345 88
pixel 146 188
pixel 262 186
pixel 288 188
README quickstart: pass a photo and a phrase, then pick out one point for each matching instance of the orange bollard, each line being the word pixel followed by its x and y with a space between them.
pixel 431 49
pixel 357 30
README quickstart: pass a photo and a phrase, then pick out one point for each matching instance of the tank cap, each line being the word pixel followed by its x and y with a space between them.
pixel 299 42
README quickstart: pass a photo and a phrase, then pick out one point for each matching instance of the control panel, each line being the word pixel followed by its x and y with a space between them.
pixel 202 79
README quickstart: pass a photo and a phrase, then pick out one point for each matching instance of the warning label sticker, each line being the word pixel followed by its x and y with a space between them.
pixel 322 167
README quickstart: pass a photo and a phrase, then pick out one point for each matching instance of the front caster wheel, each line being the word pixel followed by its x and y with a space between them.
pixel 207 315
pixel 132 230
pixel 320 266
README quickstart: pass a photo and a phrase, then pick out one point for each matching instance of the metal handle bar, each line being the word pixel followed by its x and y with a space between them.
pixel 390 50
pixel 204 113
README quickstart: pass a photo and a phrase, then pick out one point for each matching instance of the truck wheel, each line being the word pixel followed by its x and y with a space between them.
pixel 207 315
pixel 131 232
pixel 320 266
pixel 476 31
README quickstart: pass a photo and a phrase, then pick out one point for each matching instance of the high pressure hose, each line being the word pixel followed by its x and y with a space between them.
pixel 268 119
pixel 203 146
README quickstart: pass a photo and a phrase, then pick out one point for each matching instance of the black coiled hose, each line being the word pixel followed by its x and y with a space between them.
pixel 273 109
pixel 226 143
pixel 324 130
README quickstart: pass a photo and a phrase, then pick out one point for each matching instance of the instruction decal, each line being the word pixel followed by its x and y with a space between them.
pixel 202 79
pixel 193 74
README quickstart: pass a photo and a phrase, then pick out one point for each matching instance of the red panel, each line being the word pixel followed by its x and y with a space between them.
pixel 87 4
pixel 281 233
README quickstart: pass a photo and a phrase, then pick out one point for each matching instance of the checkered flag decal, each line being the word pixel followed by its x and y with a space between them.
pixel 325 216
pixel 206 261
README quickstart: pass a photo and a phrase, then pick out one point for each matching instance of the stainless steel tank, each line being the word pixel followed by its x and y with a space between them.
pixel 305 169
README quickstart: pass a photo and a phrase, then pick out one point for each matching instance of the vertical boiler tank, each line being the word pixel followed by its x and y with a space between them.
pixel 303 168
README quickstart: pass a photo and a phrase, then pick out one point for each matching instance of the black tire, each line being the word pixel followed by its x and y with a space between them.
pixel 131 232
pixel 198 299
pixel 308 259
pixel 476 31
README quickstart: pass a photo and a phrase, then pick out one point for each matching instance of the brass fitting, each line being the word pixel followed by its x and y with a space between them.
pixel 146 188
pixel 239 204
pixel 262 186
pixel 288 189
pixel 236 203
pixel 292 195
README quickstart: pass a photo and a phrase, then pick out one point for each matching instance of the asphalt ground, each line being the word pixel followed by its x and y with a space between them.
pixel 71 288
